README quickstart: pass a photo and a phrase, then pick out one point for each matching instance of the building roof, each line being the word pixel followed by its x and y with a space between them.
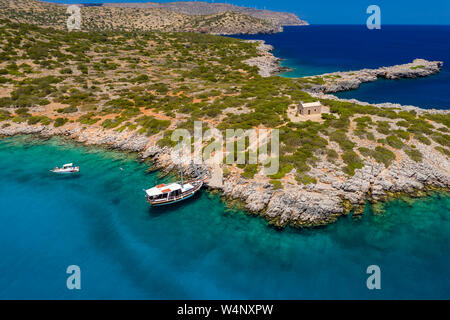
pixel 311 104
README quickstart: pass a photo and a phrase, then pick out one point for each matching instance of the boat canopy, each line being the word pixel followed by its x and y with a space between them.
pixel 68 165
pixel 161 189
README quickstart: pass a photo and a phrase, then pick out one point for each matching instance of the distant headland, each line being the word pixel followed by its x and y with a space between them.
pixel 213 18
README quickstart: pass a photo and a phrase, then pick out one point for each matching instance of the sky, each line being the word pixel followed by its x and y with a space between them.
pixel 341 11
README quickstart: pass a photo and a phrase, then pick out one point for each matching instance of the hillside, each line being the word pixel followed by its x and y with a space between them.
pixel 204 8
pixel 134 19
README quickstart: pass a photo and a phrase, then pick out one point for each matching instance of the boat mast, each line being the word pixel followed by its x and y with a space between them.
pixel 181 167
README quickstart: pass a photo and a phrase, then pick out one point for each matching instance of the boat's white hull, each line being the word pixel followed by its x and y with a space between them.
pixel 174 201
pixel 65 171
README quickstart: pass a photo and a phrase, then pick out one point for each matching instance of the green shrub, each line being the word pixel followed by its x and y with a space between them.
pixel 166 140
pixel 332 155
pixel 60 122
pixel 420 126
pixel 113 123
pixel 414 154
pixel 442 150
pixel 403 134
pixel 442 139
pixel 4 115
pixel 422 139
pixel 305 179
pixel 250 170
pixel 276 184
pixel 383 127
pixel 120 103
pixel 66 71
pixel 151 125
pixel 380 154
pixel 394 142
pixel 282 171
pixel 353 162
pixel 141 78
pixel 328 116
pixel 341 138
pixel 69 109
pixel 403 123
pixel 88 118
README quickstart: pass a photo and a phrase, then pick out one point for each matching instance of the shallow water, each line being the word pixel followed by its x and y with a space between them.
pixel 100 221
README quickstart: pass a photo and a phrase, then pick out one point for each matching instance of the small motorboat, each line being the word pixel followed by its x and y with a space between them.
pixel 67 168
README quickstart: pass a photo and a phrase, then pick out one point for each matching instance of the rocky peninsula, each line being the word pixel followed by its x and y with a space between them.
pixel 350 80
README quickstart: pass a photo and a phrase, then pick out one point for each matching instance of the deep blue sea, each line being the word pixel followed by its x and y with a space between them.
pixel 318 49
pixel 101 222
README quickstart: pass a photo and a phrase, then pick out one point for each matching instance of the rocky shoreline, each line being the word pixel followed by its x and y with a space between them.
pixel 334 194
pixel 267 64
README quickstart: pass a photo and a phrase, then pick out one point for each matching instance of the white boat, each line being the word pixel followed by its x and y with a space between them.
pixel 67 168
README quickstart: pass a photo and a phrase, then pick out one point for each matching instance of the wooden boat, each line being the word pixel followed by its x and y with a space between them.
pixel 174 192
pixel 171 193
pixel 67 168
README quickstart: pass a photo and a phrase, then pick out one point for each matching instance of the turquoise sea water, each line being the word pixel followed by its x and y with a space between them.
pixel 100 221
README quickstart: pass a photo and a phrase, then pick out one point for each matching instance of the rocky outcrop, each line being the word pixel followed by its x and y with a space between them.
pixel 267 64
pixel 350 80
pixel 322 203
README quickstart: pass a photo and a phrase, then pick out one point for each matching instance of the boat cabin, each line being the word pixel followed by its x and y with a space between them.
pixel 67 165
pixel 164 191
